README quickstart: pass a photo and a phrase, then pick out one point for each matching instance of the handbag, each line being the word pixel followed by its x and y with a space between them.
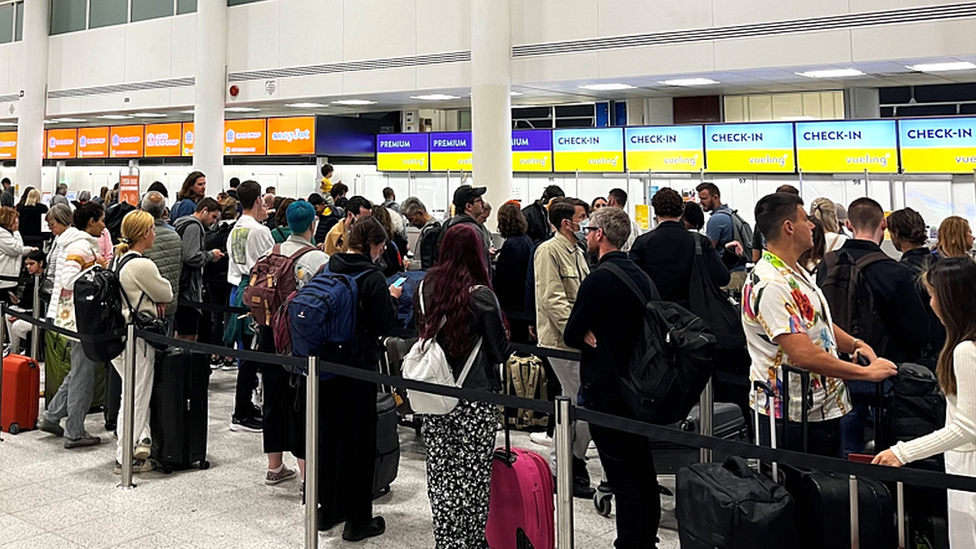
pixel 143 320
pixel 427 362
pixel 706 300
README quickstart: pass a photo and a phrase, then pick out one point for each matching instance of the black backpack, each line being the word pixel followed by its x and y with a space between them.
pixel 672 361
pixel 113 219
pixel 428 240
pixel 851 299
pixel 98 310
pixel 741 232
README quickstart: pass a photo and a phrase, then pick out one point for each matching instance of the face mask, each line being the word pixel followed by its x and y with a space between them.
pixel 581 233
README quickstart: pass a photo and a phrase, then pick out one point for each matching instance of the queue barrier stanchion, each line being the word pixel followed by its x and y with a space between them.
pixel 35 350
pixel 312 454
pixel 564 472
pixel 900 504
pixel 128 406
pixel 3 332
pixel 706 418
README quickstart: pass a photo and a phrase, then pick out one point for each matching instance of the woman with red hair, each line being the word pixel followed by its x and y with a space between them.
pixel 463 315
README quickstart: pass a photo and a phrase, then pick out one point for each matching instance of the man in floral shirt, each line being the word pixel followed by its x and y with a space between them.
pixel 787 321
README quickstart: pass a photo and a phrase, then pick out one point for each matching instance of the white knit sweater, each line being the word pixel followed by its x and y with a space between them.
pixel 959 434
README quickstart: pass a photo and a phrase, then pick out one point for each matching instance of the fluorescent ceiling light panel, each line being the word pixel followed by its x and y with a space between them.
pixel 435 97
pixel 191 111
pixel 55 121
pixel 71 120
pixel 354 102
pixel 241 109
pixel 831 73
pixel 607 87
pixel 149 115
pixel 305 105
pixel 689 82
pixel 943 67
pixel 115 117
pixel 803 117
pixel 8 123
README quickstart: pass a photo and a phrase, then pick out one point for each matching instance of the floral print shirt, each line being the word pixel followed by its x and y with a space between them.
pixel 777 300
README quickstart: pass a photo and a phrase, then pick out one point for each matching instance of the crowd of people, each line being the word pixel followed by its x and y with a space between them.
pixel 572 275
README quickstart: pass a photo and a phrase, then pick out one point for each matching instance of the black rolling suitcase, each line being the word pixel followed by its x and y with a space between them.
pixel 387 445
pixel 728 424
pixel 178 409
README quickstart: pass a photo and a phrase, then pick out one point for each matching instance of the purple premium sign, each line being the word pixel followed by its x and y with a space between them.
pixel 401 152
pixel 450 151
pixel 532 151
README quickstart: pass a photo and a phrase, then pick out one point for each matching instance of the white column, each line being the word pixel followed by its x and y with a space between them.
pixel 208 115
pixel 33 101
pixel 862 103
pixel 491 107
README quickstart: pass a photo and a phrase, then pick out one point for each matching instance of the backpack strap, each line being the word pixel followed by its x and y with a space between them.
pixel 871 259
pixel 631 285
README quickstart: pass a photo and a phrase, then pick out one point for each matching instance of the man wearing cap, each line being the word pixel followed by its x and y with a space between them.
pixel 468 205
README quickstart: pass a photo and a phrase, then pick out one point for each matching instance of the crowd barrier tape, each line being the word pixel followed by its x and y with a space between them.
pixel 655 432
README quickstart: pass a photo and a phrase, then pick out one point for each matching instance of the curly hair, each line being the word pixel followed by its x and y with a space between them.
pixel 7 217
pixel 908 226
pixel 511 221
pixel 667 203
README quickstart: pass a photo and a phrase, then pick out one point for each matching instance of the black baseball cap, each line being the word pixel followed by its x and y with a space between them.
pixel 465 194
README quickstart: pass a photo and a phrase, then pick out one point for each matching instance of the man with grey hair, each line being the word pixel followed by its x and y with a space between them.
pixel 430 229
pixel 842 219
pixel 60 196
pixel 167 251
pixel 606 324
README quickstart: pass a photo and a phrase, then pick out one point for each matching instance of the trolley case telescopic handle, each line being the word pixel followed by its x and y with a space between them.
pixel 767 390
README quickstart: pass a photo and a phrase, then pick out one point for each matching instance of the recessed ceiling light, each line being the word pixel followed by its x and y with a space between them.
pixel 435 97
pixel 8 123
pixel 115 117
pixel 149 115
pixel 354 102
pixel 689 82
pixel 607 87
pixel 305 105
pixel 55 121
pixel 241 109
pixel 831 73
pixel 793 118
pixel 70 119
pixel 942 67
pixel 515 94
pixel 191 111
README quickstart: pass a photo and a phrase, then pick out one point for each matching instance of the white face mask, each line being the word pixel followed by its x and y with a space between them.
pixel 581 233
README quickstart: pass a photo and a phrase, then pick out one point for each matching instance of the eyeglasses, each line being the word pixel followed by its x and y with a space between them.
pixel 589 229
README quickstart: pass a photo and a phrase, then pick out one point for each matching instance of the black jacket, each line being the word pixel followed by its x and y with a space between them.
pixel 511 269
pixel 478 228
pixel 377 313
pixel 897 301
pixel 605 306
pixel 667 254
pixel 918 261
pixel 538 218
pixel 486 323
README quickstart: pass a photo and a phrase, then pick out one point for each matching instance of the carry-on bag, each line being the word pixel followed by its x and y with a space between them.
pixel 527 377
pixel 57 364
pixel 387 445
pixel 21 392
pixel 728 424
pixel 178 409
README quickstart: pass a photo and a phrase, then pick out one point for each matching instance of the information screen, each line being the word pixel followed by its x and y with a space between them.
pixel 62 144
pixel 93 142
pixel 163 140
pixel 450 151
pixel 8 145
pixel 126 141
pixel 941 145
pixel 402 152
pixel 665 149
pixel 532 151
pixel 245 137
pixel 750 148
pixel 291 136
pixel 847 147
pixel 588 150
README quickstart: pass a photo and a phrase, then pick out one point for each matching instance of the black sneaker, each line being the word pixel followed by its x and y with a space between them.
pixel 371 529
pixel 247 425
pixel 82 442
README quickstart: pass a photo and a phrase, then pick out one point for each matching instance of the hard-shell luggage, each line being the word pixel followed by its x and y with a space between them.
pixel 521 511
pixel 387 445
pixel 178 409
pixel 21 392
pixel 727 422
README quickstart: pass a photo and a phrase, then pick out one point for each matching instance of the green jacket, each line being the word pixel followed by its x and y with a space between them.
pixel 167 254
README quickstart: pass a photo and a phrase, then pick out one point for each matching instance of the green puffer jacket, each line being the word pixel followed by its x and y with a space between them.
pixel 167 254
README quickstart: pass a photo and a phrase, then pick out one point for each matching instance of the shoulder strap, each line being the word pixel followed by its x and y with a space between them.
pixel 629 282
pixel 698 244
pixel 871 259
pixel 294 257
pixel 470 362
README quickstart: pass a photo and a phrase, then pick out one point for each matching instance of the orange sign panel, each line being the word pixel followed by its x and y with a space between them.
pixel 126 141
pixel 292 136
pixel 8 145
pixel 62 143
pixel 245 137
pixel 163 139
pixel 187 139
pixel 93 142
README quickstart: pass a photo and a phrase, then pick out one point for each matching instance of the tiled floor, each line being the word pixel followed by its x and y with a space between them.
pixel 52 498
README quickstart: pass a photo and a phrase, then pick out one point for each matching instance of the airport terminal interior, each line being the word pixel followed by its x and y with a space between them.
pixel 841 99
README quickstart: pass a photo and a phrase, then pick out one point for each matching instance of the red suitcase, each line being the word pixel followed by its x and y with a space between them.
pixel 521 511
pixel 21 394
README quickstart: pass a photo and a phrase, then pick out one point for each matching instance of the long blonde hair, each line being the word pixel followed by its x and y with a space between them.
pixel 952 237
pixel 825 211
pixel 33 197
pixel 135 225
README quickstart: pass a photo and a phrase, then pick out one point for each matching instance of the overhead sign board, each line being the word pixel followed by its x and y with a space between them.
pixel 8 145
pixel 665 149
pixel 532 151
pixel 588 150
pixel 291 136
pixel 750 148
pixel 847 147
pixel 126 141
pixel 187 139
pixel 164 140
pixel 62 144
pixel 245 137
pixel 402 152
pixel 450 151
pixel 939 145
pixel 93 142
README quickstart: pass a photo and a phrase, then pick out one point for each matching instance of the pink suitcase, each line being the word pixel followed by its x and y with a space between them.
pixel 521 513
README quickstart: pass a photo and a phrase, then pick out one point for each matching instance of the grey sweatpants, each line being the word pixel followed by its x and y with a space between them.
pixel 74 398
pixel 568 374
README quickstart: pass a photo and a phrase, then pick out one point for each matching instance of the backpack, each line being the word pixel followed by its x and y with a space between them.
pixel 712 305
pixel 671 363
pixel 323 317
pixel 917 406
pixel 98 310
pixel 405 311
pixel 113 219
pixel 741 232
pixel 850 297
pixel 272 281
pixel 526 379
pixel 430 236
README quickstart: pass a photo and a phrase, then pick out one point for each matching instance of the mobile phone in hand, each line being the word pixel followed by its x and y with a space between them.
pixel 399 282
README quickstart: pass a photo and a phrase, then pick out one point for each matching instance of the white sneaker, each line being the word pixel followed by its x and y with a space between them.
pixel 541 438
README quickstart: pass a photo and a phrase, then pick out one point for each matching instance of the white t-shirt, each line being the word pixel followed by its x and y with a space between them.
pixel 248 241
pixel 834 241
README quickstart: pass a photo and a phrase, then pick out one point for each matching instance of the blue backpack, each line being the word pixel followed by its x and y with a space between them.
pixel 405 316
pixel 323 318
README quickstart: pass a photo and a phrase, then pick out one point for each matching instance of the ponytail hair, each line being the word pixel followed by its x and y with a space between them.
pixel 135 225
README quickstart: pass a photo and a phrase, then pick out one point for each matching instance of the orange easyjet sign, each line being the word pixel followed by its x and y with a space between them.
pixel 291 136
pixel 62 144
pixel 93 142
pixel 163 139
pixel 187 139
pixel 8 145
pixel 126 141
pixel 245 137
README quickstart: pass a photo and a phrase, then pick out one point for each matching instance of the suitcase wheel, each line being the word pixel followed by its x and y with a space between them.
pixel 204 465
pixel 603 500
pixel 167 469
pixel 14 428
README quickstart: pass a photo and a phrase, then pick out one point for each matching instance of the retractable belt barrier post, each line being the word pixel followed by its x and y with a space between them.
pixel 564 472
pixel 706 414
pixel 35 350
pixel 3 331
pixel 128 405
pixel 915 477
pixel 312 454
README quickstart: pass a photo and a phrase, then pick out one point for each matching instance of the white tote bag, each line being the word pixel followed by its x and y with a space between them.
pixel 427 362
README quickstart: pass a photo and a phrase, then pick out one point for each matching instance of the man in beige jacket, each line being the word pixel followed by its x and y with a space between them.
pixel 560 267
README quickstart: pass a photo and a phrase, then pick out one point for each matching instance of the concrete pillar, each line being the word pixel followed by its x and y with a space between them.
pixel 659 111
pixel 862 103
pixel 208 115
pixel 491 105
pixel 33 100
